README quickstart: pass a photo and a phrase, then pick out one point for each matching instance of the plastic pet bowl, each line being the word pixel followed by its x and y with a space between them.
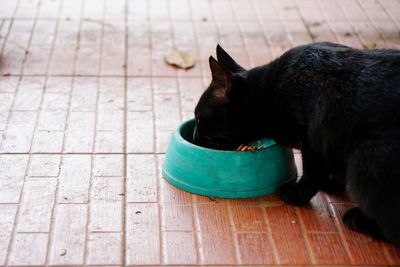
pixel 226 174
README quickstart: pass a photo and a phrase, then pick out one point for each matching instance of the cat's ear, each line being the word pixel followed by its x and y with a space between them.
pixel 227 61
pixel 220 77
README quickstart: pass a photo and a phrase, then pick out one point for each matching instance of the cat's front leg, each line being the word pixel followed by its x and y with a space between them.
pixel 315 173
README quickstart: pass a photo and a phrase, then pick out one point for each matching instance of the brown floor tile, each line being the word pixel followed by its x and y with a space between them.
pixel 217 247
pixel 255 248
pixel 143 235
pixel 171 194
pixel 328 248
pixel 248 218
pixel 317 217
pixel 287 235
pixel 393 254
pixel 363 249
pixel 271 200
pixel 213 218
pixel 179 248
pixel 176 217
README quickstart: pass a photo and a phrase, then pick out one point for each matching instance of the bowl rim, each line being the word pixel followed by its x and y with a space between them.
pixel 191 145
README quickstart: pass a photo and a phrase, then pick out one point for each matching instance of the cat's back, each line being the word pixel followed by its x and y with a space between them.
pixel 342 69
pixel 364 83
pixel 331 58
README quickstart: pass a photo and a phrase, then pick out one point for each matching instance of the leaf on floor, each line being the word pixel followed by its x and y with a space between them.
pixel 180 59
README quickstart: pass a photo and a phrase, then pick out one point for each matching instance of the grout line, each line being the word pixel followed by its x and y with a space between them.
pixel 335 34
pixel 282 22
pixel 9 28
pixel 195 227
pixel 238 257
pixel 305 236
pixel 233 233
pixel 53 218
pixel 215 24
pixel 196 218
pixel 199 63
pixel 159 211
pixel 152 95
pixel 2 42
pixel 264 34
pixel 362 7
pixel 108 75
pixel 197 231
pixel 306 25
pixel 389 15
pixel 339 230
pixel 11 110
pixel 88 216
pixel 2 24
pixel 155 140
pixel 74 76
pixel 105 232
pixel 124 203
pixel 141 19
pixel 248 265
pixel 14 230
pixel 386 253
pixel 81 153
pixel 172 35
pixel 162 258
pixel 242 37
pixel 46 76
pixel 391 19
pixel 349 22
pixel 92 158
pixel 268 232
pixel 36 125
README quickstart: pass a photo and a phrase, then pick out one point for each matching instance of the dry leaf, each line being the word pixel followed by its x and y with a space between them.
pixel 180 59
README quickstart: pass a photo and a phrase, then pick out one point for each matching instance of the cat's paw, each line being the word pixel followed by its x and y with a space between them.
pixel 291 194
pixel 352 219
pixel 357 221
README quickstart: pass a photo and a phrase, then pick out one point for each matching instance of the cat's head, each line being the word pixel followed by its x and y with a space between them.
pixel 222 113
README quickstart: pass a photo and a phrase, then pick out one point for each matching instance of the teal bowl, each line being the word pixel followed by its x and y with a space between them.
pixel 226 174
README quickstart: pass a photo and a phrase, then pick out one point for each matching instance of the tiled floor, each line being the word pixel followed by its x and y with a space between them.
pixel 87 106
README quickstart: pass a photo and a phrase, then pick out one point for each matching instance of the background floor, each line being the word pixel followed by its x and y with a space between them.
pixel 87 106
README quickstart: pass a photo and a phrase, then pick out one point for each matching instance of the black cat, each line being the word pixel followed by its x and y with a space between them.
pixel 339 105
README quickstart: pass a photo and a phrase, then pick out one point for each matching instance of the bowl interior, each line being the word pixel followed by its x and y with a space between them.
pixel 186 132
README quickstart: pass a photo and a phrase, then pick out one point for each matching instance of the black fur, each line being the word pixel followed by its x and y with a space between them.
pixel 339 105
